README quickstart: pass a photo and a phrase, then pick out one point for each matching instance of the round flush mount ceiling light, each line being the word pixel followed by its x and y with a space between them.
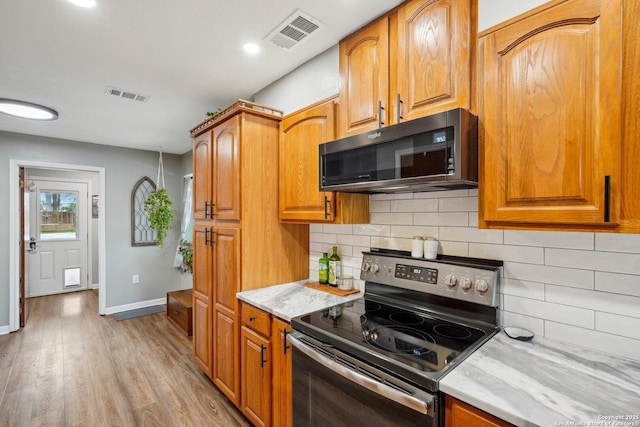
pixel 83 3
pixel 27 110
pixel 251 48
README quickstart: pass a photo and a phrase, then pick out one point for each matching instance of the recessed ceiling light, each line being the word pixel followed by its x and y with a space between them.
pixel 83 3
pixel 27 110
pixel 251 48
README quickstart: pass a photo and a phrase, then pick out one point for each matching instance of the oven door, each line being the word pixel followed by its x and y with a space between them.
pixel 331 388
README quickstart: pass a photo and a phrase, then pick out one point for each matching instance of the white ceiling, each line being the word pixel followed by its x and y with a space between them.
pixel 185 54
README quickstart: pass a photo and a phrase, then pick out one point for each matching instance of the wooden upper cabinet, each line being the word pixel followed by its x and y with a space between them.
pixel 202 195
pixel 364 78
pixel 415 61
pixel 299 198
pixel 226 170
pixel 550 114
pixel 431 62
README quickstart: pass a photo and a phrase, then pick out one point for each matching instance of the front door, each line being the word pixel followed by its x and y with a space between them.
pixel 60 217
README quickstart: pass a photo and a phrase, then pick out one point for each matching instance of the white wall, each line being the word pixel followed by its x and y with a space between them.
pixel 582 288
pixel 124 167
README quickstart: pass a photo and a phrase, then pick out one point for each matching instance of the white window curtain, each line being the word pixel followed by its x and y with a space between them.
pixel 186 228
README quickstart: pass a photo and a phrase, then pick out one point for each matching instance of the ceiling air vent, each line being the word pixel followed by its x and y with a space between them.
pixel 293 30
pixel 126 94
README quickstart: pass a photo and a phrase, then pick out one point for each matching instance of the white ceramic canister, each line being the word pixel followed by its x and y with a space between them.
pixel 430 248
pixel 417 247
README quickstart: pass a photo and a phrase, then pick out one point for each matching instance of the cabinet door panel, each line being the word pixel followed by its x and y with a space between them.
pixel 433 57
pixel 282 378
pixel 256 377
pixel 202 297
pixel 226 172
pixel 300 135
pixel 202 187
pixel 364 78
pixel 226 366
pixel 549 139
pixel 226 273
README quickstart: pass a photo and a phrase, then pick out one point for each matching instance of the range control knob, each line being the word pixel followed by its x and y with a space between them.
pixel 366 267
pixel 465 283
pixel 450 280
pixel 482 286
pixel 375 268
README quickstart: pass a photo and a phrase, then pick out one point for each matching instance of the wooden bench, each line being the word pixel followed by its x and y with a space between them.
pixel 179 309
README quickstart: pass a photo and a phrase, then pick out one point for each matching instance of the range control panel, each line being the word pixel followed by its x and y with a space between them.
pixel 419 274
pixel 473 282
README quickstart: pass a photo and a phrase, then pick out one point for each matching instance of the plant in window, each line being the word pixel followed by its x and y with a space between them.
pixel 186 250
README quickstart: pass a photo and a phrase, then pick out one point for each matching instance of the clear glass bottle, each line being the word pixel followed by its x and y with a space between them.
pixel 323 269
pixel 335 267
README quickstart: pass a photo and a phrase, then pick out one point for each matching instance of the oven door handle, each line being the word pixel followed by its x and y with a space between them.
pixel 424 404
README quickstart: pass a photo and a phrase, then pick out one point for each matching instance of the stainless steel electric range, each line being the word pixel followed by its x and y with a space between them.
pixel 377 361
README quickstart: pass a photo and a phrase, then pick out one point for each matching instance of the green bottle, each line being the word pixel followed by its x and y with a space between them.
pixel 335 267
pixel 323 269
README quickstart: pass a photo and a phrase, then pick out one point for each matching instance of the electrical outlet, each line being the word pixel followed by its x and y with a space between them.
pixel 136 279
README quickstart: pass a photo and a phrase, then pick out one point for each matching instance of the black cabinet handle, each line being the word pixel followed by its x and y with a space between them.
pixel 206 236
pixel 206 209
pixel 285 346
pixel 326 210
pixel 262 359
pixel 380 109
pixel 607 198
pixel 398 109
pixel 251 318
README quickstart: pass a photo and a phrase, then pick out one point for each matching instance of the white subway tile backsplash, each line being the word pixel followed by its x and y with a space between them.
pixel 408 231
pixel 596 340
pixel 455 219
pixel 618 283
pixel 533 324
pixel 618 242
pixel 507 253
pixel 372 229
pixel 614 262
pixel 522 288
pixel 582 287
pixel 618 325
pixel 353 240
pixel 550 311
pixel 379 206
pixel 391 218
pixel 594 300
pixel 415 205
pixel 456 204
pixel 546 274
pixel 469 234
pixel 549 239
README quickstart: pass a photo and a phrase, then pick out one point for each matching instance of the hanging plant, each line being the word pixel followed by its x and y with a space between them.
pixel 159 208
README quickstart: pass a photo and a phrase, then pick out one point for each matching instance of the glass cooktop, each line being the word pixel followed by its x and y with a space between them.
pixel 390 336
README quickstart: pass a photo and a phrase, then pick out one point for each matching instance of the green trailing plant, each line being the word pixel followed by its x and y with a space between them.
pixel 186 250
pixel 158 207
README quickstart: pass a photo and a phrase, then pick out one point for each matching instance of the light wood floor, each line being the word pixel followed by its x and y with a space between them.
pixel 71 367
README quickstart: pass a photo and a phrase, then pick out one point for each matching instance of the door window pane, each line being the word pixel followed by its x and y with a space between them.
pixel 58 215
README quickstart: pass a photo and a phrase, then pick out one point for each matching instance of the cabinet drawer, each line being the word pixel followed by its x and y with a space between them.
pixel 256 319
pixel 179 305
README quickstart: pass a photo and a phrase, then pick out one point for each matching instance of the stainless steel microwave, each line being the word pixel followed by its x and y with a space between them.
pixel 437 152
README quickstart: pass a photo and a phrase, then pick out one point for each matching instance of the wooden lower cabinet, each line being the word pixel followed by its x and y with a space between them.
pixel 282 378
pixel 460 414
pixel 265 369
pixel 255 371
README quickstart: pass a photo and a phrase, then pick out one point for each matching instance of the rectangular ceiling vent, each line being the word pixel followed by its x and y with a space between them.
pixel 126 94
pixel 293 30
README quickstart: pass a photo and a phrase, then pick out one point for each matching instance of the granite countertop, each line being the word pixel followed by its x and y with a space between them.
pixel 292 299
pixel 547 383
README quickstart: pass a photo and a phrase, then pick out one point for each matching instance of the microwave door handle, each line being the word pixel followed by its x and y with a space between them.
pixel 423 405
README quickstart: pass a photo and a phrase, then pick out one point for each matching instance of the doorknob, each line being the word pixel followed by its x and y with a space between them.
pixel 32 245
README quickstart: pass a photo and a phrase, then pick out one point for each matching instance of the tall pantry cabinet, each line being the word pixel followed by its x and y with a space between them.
pixel 239 242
